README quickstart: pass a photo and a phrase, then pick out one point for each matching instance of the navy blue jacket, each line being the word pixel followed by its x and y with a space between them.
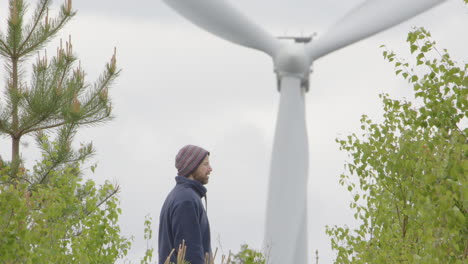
pixel 183 217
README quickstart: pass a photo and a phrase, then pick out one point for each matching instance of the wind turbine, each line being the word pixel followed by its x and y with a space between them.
pixel 286 219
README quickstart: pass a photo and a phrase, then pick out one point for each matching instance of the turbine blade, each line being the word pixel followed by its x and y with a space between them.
pixel 223 20
pixel 369 18
pixel 286 219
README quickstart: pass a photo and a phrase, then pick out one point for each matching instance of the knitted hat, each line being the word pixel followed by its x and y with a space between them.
pixel 188 159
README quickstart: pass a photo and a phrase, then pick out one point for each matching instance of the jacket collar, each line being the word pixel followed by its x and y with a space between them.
pixel 195 185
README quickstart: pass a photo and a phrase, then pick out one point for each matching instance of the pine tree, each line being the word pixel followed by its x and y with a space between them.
pixel 57 95
pixel 49 214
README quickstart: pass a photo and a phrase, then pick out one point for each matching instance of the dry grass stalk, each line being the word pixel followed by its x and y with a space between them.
pixel 209 259
pixel 181 253
pixel 168 259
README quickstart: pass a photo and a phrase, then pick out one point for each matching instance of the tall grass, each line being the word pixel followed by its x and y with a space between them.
pixel 245 256
pixel 209 259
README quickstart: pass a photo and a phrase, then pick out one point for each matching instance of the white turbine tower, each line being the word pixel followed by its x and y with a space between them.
pixel 286 219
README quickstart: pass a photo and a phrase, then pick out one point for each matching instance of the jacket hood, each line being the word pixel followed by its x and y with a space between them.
pixel 195 185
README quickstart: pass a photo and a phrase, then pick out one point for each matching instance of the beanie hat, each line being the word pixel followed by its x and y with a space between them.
pixel 188 159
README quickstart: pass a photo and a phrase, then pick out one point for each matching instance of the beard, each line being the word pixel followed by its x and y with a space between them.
pixel 201 177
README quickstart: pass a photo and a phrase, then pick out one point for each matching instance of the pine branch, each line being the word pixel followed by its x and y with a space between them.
pixel 45 105
pixel 97 101
pixel 40 9
pixel 63 155
pixel 106 79
pixel 15 26
pixel 4 123
pixel 92 116
pixel 4 49
pixel 36 129
pixel 39 120
pixel 43 93
pixel 39 38
pixel 45 120
pixel 3 129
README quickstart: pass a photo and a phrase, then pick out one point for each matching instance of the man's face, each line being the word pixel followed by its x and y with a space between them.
pixel 202 172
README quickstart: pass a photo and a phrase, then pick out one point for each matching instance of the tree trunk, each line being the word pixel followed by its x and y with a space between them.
pixel 15 155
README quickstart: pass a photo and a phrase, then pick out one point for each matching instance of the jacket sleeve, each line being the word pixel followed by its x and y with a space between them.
pixel 186 226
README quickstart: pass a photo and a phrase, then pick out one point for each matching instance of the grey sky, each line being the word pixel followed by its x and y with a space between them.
pixel 181 85
pixel 309 14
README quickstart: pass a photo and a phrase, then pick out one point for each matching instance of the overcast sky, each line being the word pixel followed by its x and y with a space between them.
pixel 180 85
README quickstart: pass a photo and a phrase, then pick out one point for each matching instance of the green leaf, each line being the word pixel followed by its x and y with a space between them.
pixel 409 168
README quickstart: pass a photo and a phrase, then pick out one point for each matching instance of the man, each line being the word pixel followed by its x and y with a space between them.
pixel 183 217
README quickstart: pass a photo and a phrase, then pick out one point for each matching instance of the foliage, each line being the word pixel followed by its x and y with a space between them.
pixel 50 214
pixel 245 256
pixel 148 234
pixel 248 256
pixel 64 220
pixel 407 175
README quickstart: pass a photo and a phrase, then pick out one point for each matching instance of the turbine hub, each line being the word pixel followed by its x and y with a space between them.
pixel 292 60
